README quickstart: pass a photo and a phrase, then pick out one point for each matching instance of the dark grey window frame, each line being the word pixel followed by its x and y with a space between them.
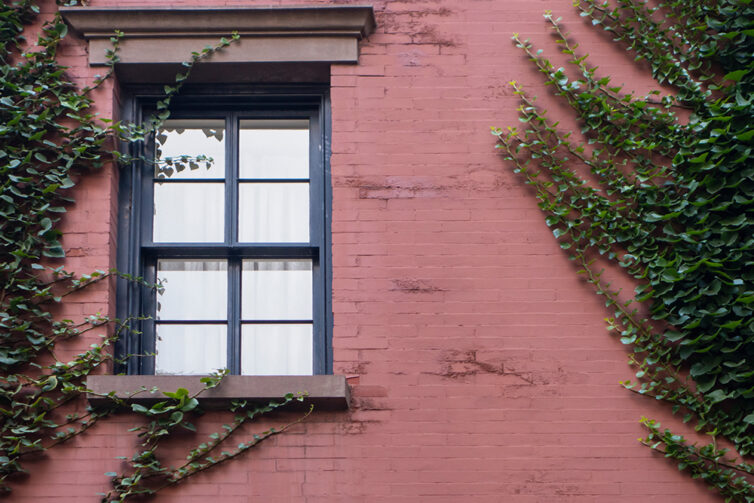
pixel 137 255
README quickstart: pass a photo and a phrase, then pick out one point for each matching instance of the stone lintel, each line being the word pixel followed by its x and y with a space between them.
pixel 325 34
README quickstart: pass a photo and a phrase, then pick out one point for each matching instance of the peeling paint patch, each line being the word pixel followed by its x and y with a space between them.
pixel 414 286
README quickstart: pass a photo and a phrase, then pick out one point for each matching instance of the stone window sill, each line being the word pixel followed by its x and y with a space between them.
pixel 324 391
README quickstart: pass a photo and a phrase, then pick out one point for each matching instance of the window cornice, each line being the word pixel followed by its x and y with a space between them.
pixel 323 34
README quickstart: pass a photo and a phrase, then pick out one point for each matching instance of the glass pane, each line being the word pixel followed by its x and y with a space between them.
pixel 190 349
pixel 274 148
pixel 273 212
pixel 276 350
pixel 189 212
pixel 181 143
pixel 276 290
pixel 192 290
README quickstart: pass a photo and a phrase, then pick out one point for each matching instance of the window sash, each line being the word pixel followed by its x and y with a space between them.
pixel 230 249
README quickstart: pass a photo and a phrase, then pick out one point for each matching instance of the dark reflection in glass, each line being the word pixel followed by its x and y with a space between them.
pixel 274 148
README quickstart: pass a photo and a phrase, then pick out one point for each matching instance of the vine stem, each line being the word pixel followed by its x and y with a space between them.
pixel 615 100
pixel 254 443
pixel 648 334
pixel 742 468
pixel 592 278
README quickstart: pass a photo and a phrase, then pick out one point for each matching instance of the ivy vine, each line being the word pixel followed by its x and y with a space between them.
pixel 668 202
pixel 49 136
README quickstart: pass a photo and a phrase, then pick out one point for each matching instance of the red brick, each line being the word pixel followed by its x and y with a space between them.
pixel 480 365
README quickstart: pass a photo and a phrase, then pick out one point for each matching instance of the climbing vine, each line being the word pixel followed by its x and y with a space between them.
pixel 669 202
pixel 147 474
pixel 49 136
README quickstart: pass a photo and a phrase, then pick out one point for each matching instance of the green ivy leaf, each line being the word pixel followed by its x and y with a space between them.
pixel 735 75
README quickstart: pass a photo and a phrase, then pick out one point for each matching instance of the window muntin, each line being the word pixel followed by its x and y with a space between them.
pixel 258 223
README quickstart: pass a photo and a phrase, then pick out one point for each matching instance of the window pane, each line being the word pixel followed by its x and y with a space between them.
pixel 274 149
pixel 276 350
pixel 192 290
pixel 190 349
pixel 276 290
pixel 273 212
pixel 180 142
pixel 189 212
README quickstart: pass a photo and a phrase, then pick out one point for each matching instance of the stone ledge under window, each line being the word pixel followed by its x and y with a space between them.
pixel 306 34
pixel 324 391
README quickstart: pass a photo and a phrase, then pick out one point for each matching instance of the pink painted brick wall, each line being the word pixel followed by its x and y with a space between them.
pixel 480 365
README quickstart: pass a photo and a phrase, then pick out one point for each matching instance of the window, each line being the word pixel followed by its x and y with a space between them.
pixel 230 217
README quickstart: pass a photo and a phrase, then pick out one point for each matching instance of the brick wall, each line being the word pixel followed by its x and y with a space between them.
pixel 479 362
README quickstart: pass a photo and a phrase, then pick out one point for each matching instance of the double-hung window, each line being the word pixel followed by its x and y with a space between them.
pixel 230 217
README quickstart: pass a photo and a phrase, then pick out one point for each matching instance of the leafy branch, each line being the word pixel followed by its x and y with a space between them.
pixel 666 203
pixel 50 136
